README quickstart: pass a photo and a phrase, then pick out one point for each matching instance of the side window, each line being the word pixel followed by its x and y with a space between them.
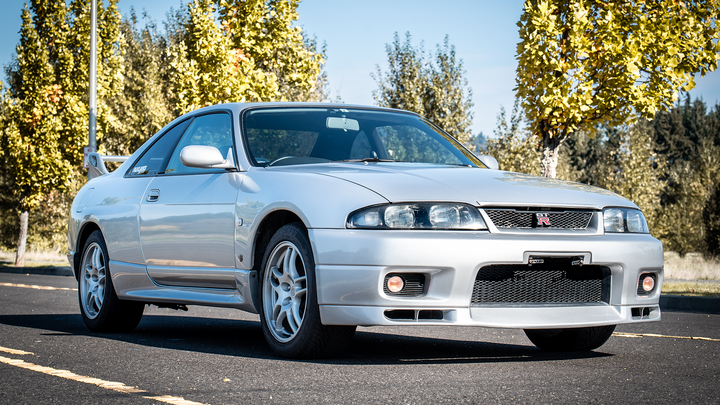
pixel 209 130
pixel 154 160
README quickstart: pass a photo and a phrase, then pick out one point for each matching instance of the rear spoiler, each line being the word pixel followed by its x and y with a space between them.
pixel 96 163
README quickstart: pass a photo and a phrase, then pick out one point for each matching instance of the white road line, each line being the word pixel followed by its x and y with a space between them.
pixel 110 385
pixel 636 335
pixel 37 287
pixel 13 351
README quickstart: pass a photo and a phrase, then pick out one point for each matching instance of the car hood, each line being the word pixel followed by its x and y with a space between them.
pixel 406 182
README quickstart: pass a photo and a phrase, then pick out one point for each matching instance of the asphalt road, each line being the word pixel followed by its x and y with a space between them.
pixel 218 356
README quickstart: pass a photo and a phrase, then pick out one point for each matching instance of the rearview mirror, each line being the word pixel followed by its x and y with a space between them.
pixel 206 157
pixel 342 123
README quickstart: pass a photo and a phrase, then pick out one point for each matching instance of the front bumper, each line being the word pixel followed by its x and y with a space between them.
pixel 351 266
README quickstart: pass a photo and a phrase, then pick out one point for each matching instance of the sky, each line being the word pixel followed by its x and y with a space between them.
pixel 355 33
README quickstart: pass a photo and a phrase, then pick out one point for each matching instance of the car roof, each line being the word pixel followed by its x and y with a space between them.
pixel 239 107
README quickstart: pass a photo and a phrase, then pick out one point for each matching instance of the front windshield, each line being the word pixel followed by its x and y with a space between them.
pixel 289 136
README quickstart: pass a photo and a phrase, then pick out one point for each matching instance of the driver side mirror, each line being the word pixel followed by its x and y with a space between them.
pixel 489 161
pixel 206 157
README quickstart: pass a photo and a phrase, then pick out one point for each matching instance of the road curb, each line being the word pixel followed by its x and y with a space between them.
pixel 705 305
pixel 42 271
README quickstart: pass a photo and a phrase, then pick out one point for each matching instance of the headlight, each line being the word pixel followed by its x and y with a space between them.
pixel 618 220
pixel 418 216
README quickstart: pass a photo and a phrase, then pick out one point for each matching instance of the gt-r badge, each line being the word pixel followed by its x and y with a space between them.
pixel 542 219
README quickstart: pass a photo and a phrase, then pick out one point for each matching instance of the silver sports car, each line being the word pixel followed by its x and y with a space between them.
pixel 323 217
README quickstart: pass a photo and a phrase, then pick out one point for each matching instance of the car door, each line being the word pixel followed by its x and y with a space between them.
pixel 187 218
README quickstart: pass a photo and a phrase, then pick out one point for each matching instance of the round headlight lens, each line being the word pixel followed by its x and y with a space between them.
pixel 399 216
pixel 395 284
pixel 648 283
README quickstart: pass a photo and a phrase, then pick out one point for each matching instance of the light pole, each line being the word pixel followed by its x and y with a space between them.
pixel 92 142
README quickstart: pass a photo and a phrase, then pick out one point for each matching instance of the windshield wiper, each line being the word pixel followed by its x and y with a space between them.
pixel 370 159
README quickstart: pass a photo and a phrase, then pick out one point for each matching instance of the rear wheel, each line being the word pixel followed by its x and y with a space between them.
pixel 570 340
pixel 290 314
pixel 100 307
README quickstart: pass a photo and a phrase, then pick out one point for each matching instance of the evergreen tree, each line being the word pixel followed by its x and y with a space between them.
pixel 641 171
pixel 583 159
pixel 34 163
pixel 515 149
pixel 143 107
pixel 433 86
pixel 711 219
pixel 45 108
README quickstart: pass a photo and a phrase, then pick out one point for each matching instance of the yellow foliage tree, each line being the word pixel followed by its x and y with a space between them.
pixel 207 69
pixel 583 63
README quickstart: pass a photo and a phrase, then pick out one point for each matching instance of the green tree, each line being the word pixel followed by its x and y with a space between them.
pixel 515 149
pixel 279 48
pixel 31 128
pixel 640 171
pixel 143 107
pixel 207 69
pixel 711 219
pixel 73 75
pixel 583 63
pixel 44 123
pixel 433 86
pixel 689 137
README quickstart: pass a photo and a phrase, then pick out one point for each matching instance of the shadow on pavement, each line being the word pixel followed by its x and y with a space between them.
pixel 240 338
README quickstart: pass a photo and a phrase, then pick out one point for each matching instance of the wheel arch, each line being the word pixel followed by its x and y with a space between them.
pixel 87 229
pixel 267 228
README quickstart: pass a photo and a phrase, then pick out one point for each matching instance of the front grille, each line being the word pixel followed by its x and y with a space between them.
pixel 556 281
pixel 507 218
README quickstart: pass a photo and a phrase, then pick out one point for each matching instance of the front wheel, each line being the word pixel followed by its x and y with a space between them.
pixel 570 340
pixel 290 315
pixel 100 307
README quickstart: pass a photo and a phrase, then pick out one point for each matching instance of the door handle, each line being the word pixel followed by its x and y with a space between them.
pixel 153 196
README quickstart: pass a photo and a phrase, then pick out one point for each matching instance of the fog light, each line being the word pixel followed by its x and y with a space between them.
pixel 648 283
pixel 395 284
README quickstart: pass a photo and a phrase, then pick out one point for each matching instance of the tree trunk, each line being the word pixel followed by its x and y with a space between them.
pixel 549 162
pixel 20 256
pixel 551 151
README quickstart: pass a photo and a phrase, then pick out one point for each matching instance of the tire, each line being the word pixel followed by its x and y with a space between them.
pixel 570 340
pixel 100 307
pixel 289 313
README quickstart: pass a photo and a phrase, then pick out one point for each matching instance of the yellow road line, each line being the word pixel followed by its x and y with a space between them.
pixel 634 335
pixel 37 287
pixel 110 385
pixel 13 351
